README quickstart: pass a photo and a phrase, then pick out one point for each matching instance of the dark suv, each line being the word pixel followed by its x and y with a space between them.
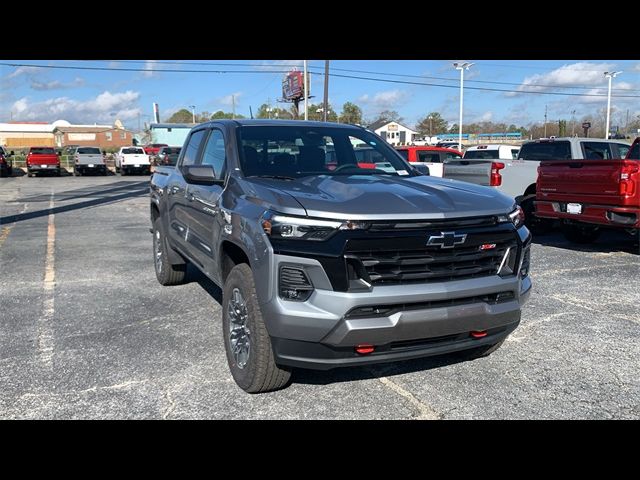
pixel 6 163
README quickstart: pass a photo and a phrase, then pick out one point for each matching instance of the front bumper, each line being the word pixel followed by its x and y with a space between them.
pixel 425 319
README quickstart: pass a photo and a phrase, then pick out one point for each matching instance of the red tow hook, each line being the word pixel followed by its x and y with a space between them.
pixel 365 348
pixel 479 333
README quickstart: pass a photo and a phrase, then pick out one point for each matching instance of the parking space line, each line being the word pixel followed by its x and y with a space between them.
pixel 425 412
pixel 45 329
pixel 4 233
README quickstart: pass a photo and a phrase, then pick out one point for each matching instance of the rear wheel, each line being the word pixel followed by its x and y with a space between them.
pixel 123 172
pixel 29 174
pixel 246 340
pixel 536 225
pixel 580 233
pixel 166 272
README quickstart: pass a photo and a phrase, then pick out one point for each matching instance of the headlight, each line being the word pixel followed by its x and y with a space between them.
pixel 300 228
pixel 516 217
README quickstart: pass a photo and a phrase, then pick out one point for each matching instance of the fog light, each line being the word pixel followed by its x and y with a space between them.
pixel 294 284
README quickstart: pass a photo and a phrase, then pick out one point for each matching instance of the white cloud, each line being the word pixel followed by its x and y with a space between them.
pixel 149 67
pixel 56 84
pixel 390 99
pixel 571 75
pixel 270 65
pixel 104 108
pixel 23 71
pixel 637 67
pixel 485 117
pixel 227 100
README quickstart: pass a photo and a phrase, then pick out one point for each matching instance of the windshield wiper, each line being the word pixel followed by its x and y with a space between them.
pixel 277 177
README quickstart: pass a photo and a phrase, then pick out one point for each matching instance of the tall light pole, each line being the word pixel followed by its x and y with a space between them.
pixel 325 104
pixel 462 67
pixel 306 94
pixel 609 75
pixel 193 112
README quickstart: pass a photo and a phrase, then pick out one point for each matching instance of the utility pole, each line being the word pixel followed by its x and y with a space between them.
pixel 609 75
pixel 325 106
pixel 304 86
pixel 462 67
pixel 233 106
pixel 545 121
pixel 573 123
pixel 626 126
pixel 193 113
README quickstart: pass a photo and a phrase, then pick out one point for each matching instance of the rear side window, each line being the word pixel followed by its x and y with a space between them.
pixel 623 149
pixel 88 150
pixel 635 152
pixel 481 154
pixel 133 151
pixel 596 150
pixel 452 156
pixel 191 152
pixel 42 151
pixel 404 154
pixel 427 156
pixel 539 151
pixel 514 153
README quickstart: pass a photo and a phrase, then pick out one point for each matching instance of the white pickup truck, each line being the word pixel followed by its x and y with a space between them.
pixel 132 159
pixel 517 177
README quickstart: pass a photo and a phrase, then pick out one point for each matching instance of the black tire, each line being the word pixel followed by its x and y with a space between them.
pixel 480 352
pixel 166 272
pixel 582 234
pixel 29 174
pixel 123 172
pixel 4 173
pixel 260 372
pixel 77 173
pixel 536 225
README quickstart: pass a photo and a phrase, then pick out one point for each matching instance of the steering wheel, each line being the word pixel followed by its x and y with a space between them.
pixel 343 167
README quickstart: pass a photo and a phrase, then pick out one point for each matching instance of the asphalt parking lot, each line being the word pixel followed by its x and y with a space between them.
pixel 87 332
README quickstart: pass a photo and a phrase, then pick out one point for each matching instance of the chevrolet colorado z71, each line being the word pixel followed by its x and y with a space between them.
pixel 326 267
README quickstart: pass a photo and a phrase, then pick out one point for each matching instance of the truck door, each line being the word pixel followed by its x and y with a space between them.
pixel 180 211
pixel 203 203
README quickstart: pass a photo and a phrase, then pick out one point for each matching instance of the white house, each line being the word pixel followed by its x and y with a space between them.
pixel 393 132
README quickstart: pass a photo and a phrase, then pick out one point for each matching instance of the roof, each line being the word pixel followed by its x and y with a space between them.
pixel 85 128
pixel 172 125
pixel 382 123
pixel 248 122
pixel 492 146
pixel 425 147
pixel 26 127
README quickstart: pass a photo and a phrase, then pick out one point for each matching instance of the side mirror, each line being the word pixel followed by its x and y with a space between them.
pixel 423 169
pixel 200 174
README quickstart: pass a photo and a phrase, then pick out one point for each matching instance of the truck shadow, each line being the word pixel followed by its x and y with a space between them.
pixel 351 374
pixel 138 189
pixel 609 241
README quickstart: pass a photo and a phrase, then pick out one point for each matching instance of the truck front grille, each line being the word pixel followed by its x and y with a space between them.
pixel 431 263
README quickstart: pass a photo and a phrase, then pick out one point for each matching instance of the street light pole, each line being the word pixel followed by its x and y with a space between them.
pixel 325 105
pixel 462 67
pixel 193 112
pixel 609 75
pixel 306 95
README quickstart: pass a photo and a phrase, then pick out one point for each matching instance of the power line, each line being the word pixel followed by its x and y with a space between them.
pixel 356 77
pixel 317 67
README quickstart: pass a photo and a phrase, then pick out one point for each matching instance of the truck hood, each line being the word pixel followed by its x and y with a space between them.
pixel 370 197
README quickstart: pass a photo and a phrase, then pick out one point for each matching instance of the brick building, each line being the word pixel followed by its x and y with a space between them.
pixel 103 136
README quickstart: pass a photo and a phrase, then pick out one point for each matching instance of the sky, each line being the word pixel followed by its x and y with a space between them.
pixel 88 92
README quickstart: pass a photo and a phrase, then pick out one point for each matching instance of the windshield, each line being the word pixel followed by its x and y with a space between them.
pixel 87 150
pixel 481 154
pixel 298 151
pixel 545 151
pixel 42 151
pixel 170 150
pixel 130 151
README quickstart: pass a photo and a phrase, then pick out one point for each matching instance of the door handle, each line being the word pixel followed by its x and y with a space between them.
pixel 174 189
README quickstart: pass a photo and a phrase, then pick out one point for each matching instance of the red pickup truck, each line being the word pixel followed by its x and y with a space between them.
pixel 590 194
pixel 153 148
pixel 43 159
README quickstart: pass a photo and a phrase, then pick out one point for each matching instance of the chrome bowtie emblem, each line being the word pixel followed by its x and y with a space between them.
pixel 447 239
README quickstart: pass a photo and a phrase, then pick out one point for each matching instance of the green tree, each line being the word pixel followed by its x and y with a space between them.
pixel 351 113
pixel 432 124
pixel 220 115
pixel 276 112
pixel 315 113
pixel 562 128
pixel 388 116
pixel 181 116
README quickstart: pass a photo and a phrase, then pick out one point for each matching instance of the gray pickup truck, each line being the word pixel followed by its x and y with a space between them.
pixel 325 261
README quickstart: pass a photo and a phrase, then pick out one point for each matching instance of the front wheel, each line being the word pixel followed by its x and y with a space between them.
pixel 166 272
pixel 246 340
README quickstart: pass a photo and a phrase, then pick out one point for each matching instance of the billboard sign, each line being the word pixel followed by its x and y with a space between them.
pixel 293 85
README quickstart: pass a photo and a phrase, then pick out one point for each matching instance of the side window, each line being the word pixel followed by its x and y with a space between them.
pixel 635 152
pixel 451 156
pixel 214 153
pixel 191 152
pixel 427 156
pixel 596 150
pixel 514 153
pixel 623 149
